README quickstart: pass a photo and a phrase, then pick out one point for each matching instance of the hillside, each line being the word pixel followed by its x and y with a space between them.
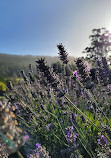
pixel 9 64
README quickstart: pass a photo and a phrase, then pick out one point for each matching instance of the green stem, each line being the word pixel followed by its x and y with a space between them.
pixel 19 155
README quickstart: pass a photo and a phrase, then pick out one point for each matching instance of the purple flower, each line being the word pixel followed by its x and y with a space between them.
pixel 75 103
pixel 16 107
pixel 102 141
pixel 75 73
pixel 68 133
pixel 49 127
pixel 26 138
pixel 75 116
pixel 87 66
pixel 37 153
pixel 108 86
pixel 105 139
pixel 62 122
pixel 71 128
pixel 99 141
pixel 38 145
pixel 75 135
pixel 28 156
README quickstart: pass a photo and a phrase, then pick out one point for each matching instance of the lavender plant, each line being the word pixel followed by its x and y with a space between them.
pixel 39 152
pixel 35 96
pixel 64 112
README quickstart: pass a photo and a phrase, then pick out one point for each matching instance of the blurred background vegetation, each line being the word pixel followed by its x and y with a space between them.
pixel 11 64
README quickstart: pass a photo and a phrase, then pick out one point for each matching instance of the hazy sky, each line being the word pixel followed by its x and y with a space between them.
pixel 36 26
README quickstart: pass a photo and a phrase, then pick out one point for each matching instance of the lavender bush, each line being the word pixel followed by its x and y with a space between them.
pixel 69 114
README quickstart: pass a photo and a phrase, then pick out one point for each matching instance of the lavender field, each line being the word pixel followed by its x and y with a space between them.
pixel 61 110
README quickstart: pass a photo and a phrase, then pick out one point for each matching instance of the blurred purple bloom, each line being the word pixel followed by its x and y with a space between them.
pixel 109 87
pixel 87 66
pixel 38 145
pixel 75 103
pixel 26 138
pixel 75 73
pixel 105 139
pixel 99 141
pixel 102 141
pixel 28 156
pixel 37 153
pixel 75 115
pixel 16 107
pixel 71 128
pixel 68 133
pixel 75 135
pixel 62 122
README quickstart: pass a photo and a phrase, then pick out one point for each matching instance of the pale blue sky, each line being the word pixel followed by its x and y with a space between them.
pixel 36 26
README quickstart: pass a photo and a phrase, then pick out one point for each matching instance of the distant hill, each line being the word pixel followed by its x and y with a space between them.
pixel 9 64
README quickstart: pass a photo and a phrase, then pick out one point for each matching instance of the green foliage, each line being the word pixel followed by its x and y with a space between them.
pixel 2 86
